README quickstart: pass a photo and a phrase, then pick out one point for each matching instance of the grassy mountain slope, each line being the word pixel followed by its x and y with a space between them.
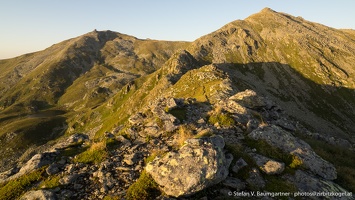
pixel 80 73
pixel 307 67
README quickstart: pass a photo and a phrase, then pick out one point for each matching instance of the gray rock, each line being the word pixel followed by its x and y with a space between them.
pixel 200 163
pixel 152 131
pixel 124 142
pixel 62 161
pixel 37 161
pixel 69 179
pixel 77 186
pixel 268 165
pixel 284 123
pixel 108 135
pixel 74 139
pixel 252 124
pixel 131 159
pixel 171 103
pixel 234 183
pixel 255 179
pixel 38 195
pixel 136 119
pixel 6 174
pixel 53 169
pixel 66 194
pixel 70 168
pixel 239 165
pixel 277 137
pixel 225 192
pixel 249 99
pixel 306 182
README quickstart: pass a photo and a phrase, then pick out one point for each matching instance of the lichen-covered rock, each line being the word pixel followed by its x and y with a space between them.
pixel 284 140
pixel 305 182
pixel 200 163
pixel 136 119
pixel 36 162
pixel 268 165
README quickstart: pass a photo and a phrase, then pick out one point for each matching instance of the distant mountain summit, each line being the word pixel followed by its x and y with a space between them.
pixel 261 104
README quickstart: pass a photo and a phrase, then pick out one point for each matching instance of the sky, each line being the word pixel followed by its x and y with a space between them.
pixel 29 26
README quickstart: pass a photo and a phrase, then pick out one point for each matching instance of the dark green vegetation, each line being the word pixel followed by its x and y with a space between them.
pixel 179 113
pixel 95 154
pixel 223 119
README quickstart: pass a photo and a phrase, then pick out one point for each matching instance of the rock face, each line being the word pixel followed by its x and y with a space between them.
pixel 199 164
pixel 37 161
pixel 305 182
pixel 284 140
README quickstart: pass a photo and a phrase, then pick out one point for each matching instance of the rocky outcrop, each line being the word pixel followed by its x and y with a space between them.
pixel 75 139
pixel 36 162
pixel 306 182
pixel 200 163
pixel 39 195
pixel 284 140
pixel 179 64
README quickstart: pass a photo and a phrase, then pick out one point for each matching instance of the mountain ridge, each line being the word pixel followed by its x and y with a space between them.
pixel 110 101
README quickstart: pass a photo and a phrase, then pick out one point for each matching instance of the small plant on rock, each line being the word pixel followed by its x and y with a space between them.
pixel 223 119
pixel 296 162
pixel 184 133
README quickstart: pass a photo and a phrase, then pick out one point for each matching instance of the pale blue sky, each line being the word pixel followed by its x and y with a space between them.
pixel 33 25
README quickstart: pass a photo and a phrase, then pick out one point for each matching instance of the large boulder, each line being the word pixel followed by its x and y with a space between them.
pixel 307 183
pixel 36 162
pixel 200 163
pixel 277 137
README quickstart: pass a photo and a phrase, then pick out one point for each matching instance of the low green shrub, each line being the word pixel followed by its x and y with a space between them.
pixel 179 113
pixel 50 182
pixel 223 119
pixel 15 188
pixel 95 154
pixel 144 188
